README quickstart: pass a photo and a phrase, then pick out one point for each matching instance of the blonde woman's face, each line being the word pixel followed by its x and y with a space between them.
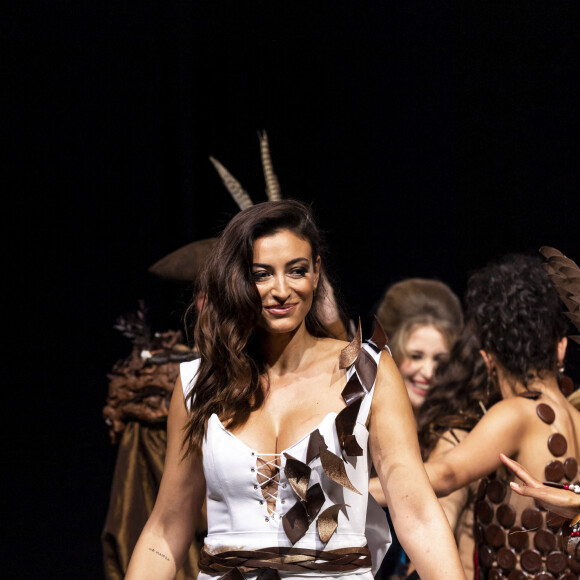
pixel 426 348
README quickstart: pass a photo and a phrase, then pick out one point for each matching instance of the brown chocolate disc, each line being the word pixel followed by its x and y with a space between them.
pixel 566 385
pixel 554 521
pixel 495 535
pixel 557 444
pixel 554 470
pixel 545 541
pixel 531 560
pixel 570 468
pixel 494 574
pixel 506 515
pixel 532 518
pixel 481 489
pixel 544 576
pixel 556 562
pixel 574 564
pixel 518 538
pixel 478 533
pixel 517 575
pixel 485 556
pixel 506 558
pixel 484 511
pixel 546 413
pixel 496 490
pixel 568 576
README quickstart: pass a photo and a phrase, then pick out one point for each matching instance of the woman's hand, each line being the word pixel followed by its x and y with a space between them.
pixel 560 501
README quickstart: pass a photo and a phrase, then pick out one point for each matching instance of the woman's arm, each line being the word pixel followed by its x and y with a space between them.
pixel 455 502
pixel 419 521
pixel 168 533
pixel 559 501
pixel 501 430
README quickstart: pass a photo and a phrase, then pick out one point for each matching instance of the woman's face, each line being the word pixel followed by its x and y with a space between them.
pixel 286 276
pixel 426 348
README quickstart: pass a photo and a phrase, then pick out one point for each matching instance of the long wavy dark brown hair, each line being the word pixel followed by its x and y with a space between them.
pixel 230 380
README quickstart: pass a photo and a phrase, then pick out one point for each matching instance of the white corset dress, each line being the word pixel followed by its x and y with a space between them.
pixel 237 512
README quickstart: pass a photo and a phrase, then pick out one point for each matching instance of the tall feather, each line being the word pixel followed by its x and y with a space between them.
pixel 236 190
pixel 273 190
pixel 565 276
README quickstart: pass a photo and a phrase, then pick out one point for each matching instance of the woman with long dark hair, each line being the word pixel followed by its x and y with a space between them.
pixel 276 424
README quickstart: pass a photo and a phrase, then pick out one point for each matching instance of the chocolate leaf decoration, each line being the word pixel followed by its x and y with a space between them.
pixel 351 446
pixel 328 521
pixel 297 474
pixel 379 337
pixel 295 522
pixel 565 276
pixel 366 367
pixel 345 422
pixel 314 501
pixel 233 574
pixel 315 443
pixel 334 468
pixel 353 389
pixel 350 352
pixel 267 574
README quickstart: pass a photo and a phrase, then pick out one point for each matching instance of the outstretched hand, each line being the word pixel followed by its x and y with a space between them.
pixel 560 501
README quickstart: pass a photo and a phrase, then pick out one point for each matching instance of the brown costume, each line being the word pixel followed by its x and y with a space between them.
pixel 140 389
pixel 529 544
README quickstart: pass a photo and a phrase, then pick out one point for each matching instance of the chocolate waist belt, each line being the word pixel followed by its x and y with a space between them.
pixel 270 560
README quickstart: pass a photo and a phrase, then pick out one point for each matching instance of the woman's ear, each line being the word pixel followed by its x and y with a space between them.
pixel 317 264
pixel 488 361
pixel 562 345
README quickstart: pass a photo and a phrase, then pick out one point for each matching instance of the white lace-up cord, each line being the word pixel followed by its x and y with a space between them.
pixel 277 469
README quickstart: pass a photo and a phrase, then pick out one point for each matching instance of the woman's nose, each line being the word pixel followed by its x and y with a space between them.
pixel 428 369
pixel 280 290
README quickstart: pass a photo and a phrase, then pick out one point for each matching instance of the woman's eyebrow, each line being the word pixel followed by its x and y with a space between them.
pixel 290 263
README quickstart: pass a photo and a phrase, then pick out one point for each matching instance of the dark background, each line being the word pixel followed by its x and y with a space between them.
pixel 429 136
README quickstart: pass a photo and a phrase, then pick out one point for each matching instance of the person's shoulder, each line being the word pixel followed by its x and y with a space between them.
pixel 187 372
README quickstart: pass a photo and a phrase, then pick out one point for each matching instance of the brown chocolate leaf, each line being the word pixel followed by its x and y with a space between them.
pixel 353 389
pixel 366 367
pixel 351 447
pixel 295 522
pixel 233 574
pixel 297 474
pixel 315 443
pixel 334 468
pixel 350 352
pixel 328 521
pixel 267 574
pixel 379 336
pixel 314 501
pixel 345 422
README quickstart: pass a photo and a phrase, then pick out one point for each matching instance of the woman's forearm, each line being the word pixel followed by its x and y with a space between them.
pixel 152 559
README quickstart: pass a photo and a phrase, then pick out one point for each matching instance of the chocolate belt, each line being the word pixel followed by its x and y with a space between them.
pixel 271 560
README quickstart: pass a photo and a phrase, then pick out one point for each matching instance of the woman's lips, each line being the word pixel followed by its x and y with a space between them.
pixel 419 388
pixel 280 309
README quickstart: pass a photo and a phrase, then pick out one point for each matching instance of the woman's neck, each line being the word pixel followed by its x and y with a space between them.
pixel 545 383
pixel 285 352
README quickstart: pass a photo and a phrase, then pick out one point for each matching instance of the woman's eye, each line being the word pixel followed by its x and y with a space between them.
pixel 259 275
pixel 299 272
pixel 416 356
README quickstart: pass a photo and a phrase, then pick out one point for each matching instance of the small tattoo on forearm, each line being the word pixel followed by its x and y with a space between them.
pixel 159 554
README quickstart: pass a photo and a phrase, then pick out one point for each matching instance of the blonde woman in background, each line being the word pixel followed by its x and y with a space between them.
pixel 422 318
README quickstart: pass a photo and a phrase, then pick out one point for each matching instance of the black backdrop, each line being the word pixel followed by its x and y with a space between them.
pixel 430 137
